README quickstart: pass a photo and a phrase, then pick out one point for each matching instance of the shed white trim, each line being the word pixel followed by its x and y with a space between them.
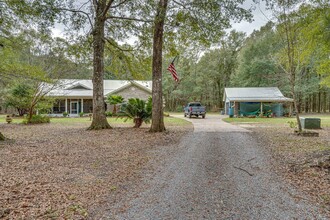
pixel 255 94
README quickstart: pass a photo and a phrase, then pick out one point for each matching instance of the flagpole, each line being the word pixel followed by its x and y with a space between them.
pixel 174 59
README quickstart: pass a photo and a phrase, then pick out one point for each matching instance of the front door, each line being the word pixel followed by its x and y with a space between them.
pixel 74 108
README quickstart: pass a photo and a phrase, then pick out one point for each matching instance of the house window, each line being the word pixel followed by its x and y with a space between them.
pixel 59 107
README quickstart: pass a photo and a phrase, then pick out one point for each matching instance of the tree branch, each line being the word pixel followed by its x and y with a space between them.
pixel 119 4
pixel 82 5
pixel 278 63
pixel 95 4
pixel 180 4
pixel 118 47
pixel 79 11
pixel 239 168
pixel 130 19
pixel 107 8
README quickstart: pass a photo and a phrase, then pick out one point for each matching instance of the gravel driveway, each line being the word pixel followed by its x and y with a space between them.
pixel 219 172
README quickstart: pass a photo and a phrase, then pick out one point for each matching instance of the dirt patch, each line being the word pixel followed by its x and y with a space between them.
pixel 303 161
pixel 56 171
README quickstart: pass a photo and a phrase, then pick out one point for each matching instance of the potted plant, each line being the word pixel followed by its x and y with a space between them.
pixel 9 119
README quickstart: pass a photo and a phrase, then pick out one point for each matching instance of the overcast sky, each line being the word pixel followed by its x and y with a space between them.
pixel 260 17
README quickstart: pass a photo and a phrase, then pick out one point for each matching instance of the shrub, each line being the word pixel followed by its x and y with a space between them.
pixel 2 138
pixel 65 114
pixel 166 114
pixel 114 100
pixel 138 110
pixel 108 114
pixel 179 109
pixel 122 107
pixel 81 114
pixel 293 124
pixel 37 119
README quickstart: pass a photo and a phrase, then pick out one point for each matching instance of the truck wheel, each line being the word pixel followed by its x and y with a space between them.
pixel 197 116
pixel 203 116
pixel 184 114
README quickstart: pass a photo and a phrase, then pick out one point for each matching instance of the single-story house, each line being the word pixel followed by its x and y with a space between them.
pixel 75 96
pixel 253 100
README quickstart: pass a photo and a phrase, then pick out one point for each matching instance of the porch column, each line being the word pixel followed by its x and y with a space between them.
pixel 82 105
pixel 236 108
pixel 66 105
pixel 261 109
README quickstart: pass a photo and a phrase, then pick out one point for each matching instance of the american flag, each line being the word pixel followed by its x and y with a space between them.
pixel 172 69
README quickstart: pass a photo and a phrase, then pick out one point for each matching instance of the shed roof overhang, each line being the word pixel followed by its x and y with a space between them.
pixel 241 99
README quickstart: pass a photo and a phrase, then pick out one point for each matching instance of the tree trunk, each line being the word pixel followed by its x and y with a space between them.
pixel 30 116
pixel 314 103
pixel 306 105
pixel 290 38
pixel 311 103
pixel 99 118
pixel 137 122
pixel 298 102
pixel 325 102
pixel 157 124
pixel 2 138
pixel 319 102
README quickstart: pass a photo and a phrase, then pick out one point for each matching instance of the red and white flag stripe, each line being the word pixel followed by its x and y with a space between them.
pixel 172 69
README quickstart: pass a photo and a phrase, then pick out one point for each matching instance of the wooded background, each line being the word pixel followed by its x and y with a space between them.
pixel 205 67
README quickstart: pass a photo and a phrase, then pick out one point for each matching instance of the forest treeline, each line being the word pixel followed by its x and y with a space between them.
pixel 236 60
pixel 259 60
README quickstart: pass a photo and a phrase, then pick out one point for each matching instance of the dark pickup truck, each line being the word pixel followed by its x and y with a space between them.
pixel 194 108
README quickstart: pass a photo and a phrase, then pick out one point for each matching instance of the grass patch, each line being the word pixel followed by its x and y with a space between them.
pixel 325 120
pixel 259 120
pixel 16 120
pixel 86 120
pixel 169 121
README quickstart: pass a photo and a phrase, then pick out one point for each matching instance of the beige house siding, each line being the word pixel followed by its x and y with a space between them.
pixel 131 92
pixel 134 92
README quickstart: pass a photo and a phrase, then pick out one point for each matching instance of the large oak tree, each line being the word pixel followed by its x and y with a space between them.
pixel 103 23
pixel 194 22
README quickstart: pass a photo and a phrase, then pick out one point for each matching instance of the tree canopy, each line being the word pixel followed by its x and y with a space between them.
pixel 138 39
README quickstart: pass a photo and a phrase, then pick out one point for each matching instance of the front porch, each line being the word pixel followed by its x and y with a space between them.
pixel 72 106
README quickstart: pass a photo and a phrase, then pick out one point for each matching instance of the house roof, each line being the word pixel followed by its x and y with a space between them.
pixel 84 88
pixel 255 94
pixel 143 87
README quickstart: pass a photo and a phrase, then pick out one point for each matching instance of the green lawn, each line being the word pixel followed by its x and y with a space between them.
pixel 176 121
pixel 325 120
pixel 169 121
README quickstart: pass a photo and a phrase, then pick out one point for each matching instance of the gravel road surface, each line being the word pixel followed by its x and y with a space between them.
pixel 219 172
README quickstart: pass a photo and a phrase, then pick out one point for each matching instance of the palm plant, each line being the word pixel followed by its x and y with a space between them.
pixel 114 100
pixel 138 110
